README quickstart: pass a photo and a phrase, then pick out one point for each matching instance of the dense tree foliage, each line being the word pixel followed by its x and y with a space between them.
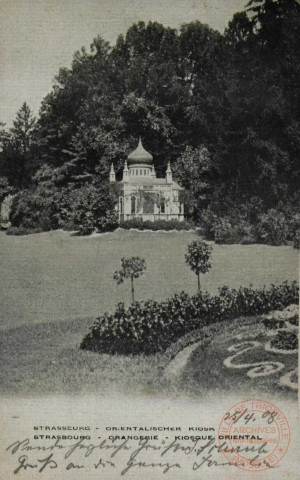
pixel 224 109
pixel 17 157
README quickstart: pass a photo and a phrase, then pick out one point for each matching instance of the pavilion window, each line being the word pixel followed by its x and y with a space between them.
pixel 133 204
pixel 121 205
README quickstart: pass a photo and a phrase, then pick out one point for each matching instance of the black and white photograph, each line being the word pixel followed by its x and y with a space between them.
pixel 149 239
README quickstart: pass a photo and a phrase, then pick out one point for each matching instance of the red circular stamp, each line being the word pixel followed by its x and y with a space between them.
pixel 254 435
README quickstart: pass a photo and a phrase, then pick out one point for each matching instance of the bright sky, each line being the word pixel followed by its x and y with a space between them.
pixel 37 37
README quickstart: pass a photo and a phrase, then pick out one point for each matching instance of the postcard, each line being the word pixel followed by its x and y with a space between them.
pixel 149 242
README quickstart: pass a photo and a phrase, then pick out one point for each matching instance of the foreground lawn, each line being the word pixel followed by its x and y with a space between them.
pixel 54 276
pixel 53 285
pixel 45 358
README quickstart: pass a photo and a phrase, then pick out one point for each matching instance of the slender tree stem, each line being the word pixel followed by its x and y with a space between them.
pixel 132 290
pixel 198 274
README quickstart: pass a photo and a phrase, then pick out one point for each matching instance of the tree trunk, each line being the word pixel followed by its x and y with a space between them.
pixel 198 274
pixel 132 290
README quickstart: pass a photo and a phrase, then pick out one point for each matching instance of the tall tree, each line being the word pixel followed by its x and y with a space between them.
pixel 262 96
pixel 194 171
pixel 23 128
pixel 17 159
pixel 235 95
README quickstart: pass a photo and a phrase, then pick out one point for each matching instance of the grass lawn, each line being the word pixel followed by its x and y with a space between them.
pixel 53 285
pixel 54 276
pixel 45 359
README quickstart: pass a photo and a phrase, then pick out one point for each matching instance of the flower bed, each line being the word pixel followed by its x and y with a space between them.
pixel 149 327
pixel 285 340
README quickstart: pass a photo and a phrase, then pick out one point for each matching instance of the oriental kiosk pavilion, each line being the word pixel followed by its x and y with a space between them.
pixel 142 195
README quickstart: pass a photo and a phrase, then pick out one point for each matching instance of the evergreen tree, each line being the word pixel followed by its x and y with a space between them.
pixel 17 159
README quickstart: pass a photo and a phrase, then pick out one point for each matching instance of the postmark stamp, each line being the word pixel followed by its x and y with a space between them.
pixel 254 435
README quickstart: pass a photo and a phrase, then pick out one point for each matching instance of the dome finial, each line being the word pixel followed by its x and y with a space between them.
pixel 140 145
pixel 140 155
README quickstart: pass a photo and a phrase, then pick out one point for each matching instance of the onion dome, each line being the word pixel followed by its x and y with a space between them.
pixel 140 156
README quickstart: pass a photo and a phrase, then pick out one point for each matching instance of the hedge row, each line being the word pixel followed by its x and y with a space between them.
pixel 149 327
pixel 139 224
pixel 248 226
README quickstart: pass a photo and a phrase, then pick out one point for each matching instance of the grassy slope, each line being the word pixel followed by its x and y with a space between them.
pixel 46 358
pixel 52 282
pixel 52 276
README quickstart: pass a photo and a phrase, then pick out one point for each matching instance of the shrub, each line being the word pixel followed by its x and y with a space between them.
pixel 85 223
pixel 85 208
pixel 227 229
pixel 248 225
pixel 296 240
pixel 5 208
pixel 93 209
pixel 149 327
pixel 285 340
pixel 141 224
pixel 208 223
pixel 5 188
pixel 33 210
pixel 22 231
pixel 227 232
pixel 272 228
pixel 107 222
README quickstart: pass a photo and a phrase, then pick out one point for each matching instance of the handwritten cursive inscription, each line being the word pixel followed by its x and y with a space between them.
pixel 128 455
